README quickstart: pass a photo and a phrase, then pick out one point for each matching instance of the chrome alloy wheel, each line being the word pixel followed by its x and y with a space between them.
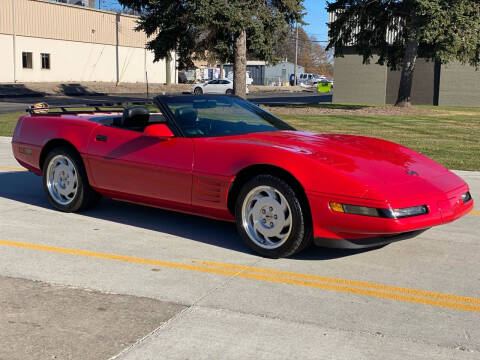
pixel 267 217
pixel 62 179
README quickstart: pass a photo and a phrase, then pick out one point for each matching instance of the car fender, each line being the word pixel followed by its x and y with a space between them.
pixel 38 131
pixel 313 175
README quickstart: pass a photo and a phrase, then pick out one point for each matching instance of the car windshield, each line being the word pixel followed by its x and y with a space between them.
pixel 212 116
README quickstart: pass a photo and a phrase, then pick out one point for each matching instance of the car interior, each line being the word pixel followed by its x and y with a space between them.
pixel 187 118
pixel 135 118
pixel 194 125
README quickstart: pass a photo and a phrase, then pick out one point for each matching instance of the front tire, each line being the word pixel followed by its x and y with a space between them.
pixel 65 181
pixel 229 92
pixel 198 91
pixel 271 219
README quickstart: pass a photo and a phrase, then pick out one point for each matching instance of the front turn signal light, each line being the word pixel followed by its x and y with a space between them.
pixel 337 207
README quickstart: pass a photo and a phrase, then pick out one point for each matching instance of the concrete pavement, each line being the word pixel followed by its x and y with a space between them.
pixel 42 321
pixel 415 299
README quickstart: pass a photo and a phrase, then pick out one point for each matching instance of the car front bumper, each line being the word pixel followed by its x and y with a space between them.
pixel 365 243
pixel 333 229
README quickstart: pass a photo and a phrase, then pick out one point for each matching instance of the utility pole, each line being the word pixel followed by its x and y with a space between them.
pixel 117 44
pixel 14 40
pixel 296 56
pixel 175 79
pixel 146 70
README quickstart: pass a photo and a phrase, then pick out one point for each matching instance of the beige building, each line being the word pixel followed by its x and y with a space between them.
pixel 43 41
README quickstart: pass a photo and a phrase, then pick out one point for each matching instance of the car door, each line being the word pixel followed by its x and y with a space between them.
pixel 211 87
pixel 128 163
pixel 224 85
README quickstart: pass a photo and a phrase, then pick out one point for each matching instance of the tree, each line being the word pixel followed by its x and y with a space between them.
pixel 305 57
pixel 321 62
pixel 223 29
pixel 311 55
pixel 400 31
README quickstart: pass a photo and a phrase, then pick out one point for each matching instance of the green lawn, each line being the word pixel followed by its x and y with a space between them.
pixel 450 136
pixel 8 122
pixel 451 139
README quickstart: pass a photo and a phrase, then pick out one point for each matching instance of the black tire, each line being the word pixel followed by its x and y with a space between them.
pixel 301 232
pixel 85 197
pixel 198 91
pixel 229 92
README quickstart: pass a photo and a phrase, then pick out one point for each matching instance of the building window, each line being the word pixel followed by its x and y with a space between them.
pixel 45 61
pixel 27 60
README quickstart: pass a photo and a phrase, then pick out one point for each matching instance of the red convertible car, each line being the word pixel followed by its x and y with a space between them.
pixel 225 158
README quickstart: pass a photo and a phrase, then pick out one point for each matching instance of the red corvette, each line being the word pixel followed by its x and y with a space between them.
pixel 225 158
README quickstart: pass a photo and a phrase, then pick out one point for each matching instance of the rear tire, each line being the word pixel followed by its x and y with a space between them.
pixel 65 181
pixel 271 219
pixel 198 91
pixel 229 92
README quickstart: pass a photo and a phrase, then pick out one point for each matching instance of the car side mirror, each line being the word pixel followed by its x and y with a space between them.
pixel 159 131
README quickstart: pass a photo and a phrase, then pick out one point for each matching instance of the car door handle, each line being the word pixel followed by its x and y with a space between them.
pixel 101 138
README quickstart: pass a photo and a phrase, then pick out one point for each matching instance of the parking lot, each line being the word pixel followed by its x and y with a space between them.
pixel 132 282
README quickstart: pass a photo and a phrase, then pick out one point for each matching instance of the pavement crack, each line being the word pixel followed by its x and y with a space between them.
pixel 180 314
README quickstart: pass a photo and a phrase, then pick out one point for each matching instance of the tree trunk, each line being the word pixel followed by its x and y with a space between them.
pixel 222 75
pixel 240 66
pixel 168 70
pixel 406 79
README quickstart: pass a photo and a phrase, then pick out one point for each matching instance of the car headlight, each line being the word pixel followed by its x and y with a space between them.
pixel 466 197
pixel 406 212
pixel 377 212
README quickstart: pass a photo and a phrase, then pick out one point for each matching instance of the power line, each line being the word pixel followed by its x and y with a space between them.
pixel 312 41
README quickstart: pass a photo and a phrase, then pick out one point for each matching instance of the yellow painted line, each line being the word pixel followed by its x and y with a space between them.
pixel 354 283
pixel 13 168
pixel 475 212
pixel 232 271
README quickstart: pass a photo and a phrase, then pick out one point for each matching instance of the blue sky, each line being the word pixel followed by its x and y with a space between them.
pixel 316 16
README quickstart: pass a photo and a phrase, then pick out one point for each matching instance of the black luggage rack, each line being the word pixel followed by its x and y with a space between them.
pixel 98 108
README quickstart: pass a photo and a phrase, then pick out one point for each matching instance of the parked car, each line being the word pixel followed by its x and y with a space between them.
pixel 221 86
pixel 226 158
pixel 310 79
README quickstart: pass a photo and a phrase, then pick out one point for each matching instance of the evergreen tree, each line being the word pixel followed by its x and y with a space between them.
pixel 399 31
pixel 221 29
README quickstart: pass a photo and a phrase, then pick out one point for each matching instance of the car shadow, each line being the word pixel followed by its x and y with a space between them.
pixel 26 188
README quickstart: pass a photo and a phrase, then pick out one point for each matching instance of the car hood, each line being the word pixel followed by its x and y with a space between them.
pixel 380 164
